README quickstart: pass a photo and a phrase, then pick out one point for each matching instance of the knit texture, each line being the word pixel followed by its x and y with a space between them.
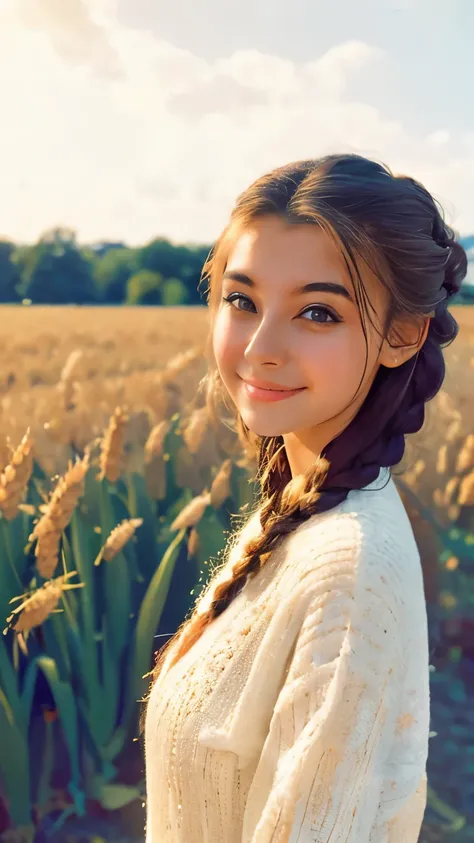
pixel 301 715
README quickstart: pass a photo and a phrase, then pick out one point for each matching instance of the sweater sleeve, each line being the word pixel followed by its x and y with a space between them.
pixel 320 774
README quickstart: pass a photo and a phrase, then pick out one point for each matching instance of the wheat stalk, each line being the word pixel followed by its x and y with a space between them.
pixel 193 542
pixel 70 365
pixel 112 446
pixel 178 363
pixel 15 477
pixel 466 490
pixel 57 514
pixel 155 441
pixel 450 489
pixel 439 498
pixel 67 384
pixel 195 429
pixel 155 460
pixel 192 512
pixel 454 430
pixel 37 607
pixel 465 460
pixel 220 488
pixel 6 452
pixel 442 460
pixel 118 538
pixel 419 468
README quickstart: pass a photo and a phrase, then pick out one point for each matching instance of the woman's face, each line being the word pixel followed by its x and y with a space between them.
pixel 308 340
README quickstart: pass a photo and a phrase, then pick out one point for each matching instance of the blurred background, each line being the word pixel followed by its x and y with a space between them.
pixel 127 131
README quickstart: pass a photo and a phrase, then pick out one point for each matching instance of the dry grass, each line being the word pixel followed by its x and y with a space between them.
pixel 64 370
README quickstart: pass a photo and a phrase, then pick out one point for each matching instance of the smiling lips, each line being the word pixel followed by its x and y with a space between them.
pixel 268 392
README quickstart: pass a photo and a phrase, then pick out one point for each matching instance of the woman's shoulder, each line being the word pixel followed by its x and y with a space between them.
pixel 372 520
pixel 370 533
pixel 374 515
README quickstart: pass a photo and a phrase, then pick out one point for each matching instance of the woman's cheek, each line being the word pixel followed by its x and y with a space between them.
pixel 340 362
pixel 222 343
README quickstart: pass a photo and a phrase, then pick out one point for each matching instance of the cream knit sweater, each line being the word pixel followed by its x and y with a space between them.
pixel 302 712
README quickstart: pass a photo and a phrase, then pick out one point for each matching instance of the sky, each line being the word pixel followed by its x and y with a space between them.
pixel 130 119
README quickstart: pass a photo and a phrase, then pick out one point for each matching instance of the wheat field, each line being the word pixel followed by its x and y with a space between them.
pixel 63 370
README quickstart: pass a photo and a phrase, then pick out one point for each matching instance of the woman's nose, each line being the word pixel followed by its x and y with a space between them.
pixel 266 344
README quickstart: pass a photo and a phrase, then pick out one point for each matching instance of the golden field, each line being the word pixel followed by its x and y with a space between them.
pixel 63 370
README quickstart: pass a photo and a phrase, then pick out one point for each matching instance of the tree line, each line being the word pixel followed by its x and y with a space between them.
pixel 57 270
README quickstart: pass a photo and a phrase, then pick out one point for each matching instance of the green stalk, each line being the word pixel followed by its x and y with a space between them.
pixel 47 762
pixel 6 538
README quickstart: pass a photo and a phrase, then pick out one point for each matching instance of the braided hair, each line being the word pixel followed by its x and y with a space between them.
pixel 398 229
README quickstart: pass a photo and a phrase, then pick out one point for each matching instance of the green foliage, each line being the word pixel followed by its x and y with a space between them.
pixel 55 271
pixel 9 273
pixel 112 272
pixel 144 288
pixel 94 656
pixel 174 292
pixel 162 256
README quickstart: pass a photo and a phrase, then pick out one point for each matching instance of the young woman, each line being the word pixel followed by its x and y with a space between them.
pixel 293 705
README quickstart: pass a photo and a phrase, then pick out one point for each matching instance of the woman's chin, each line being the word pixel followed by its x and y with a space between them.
pixel 261 427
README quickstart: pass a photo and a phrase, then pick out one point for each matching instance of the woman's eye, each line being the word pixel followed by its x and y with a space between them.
pixel 323 312
pixel 325 315
pixel 236 297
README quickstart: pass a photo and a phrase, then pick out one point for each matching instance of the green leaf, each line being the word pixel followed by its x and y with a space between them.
pixel 114 796
pixel 118 605
pixel 140 506
pixel 83 560
pixel 456 821
pixel 27 694
pixel 54 632
pixel 11 584
pixel 111 684
pixel 117 584
pixel 68 716
pixel 116 744
pixel 147 624
pixel 8 676
pixel 46 768
pixel 14 765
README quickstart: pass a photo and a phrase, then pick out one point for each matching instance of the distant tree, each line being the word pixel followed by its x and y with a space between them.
pixel 175 261
pixel 56 272
pixel 112 272
pixel 174 292
pixel 105 246
pixel 145 288
pixel 160 255
pixel 192 270
pixel 10 276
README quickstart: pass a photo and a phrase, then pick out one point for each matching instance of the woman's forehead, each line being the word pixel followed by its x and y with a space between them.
pixel 289 251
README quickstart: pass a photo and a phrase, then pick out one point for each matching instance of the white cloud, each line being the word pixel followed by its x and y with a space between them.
pixel 119 134
pixel 438 138
pixel 76 36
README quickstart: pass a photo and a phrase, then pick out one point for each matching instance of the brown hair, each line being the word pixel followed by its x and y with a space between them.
pixel 398 229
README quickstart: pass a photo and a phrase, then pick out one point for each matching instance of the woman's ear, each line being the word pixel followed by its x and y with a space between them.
pixel 405 339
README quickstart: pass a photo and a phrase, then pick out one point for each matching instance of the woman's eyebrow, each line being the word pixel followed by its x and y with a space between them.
pixel 313 287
